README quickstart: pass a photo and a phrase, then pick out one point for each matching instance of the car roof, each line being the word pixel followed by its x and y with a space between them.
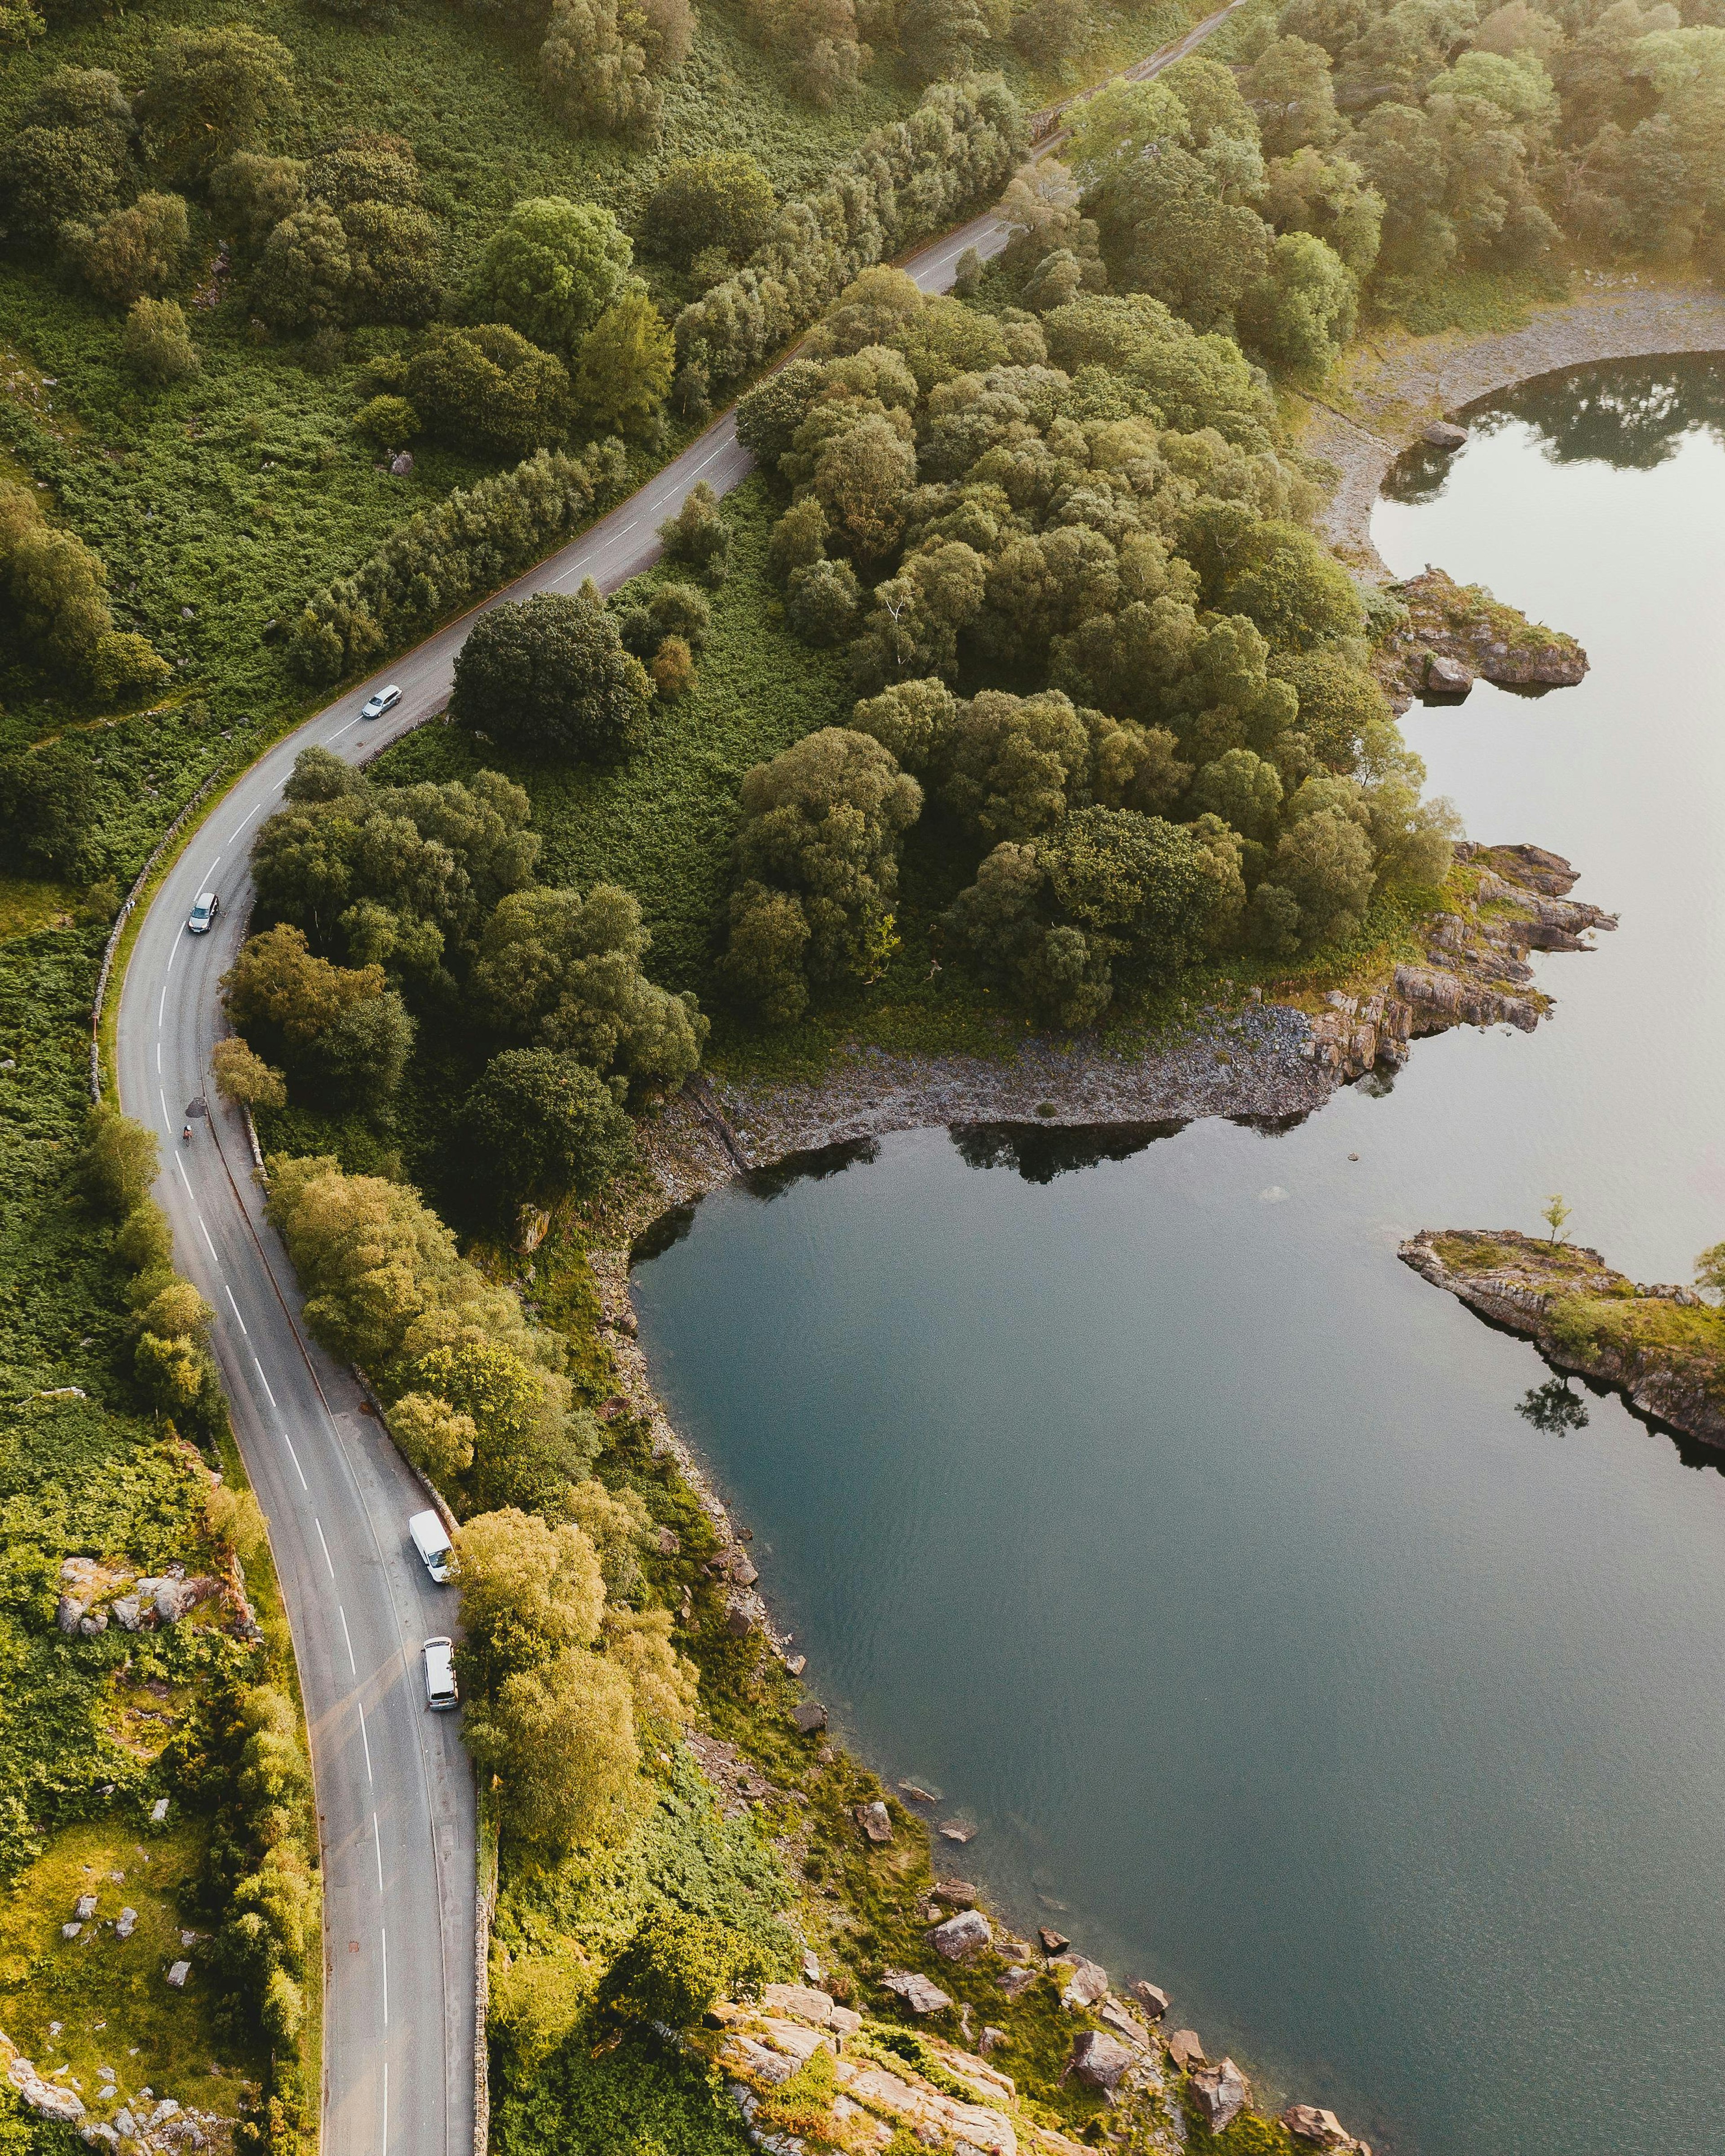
pixel 206 898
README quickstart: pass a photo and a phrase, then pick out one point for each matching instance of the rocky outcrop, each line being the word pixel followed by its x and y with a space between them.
pixel 1454 632
pixel 1323 2129
pixel 1475 971
pixel 1221 2093
pixel 918 1993
pixel 47 2099
pixel 1662 1349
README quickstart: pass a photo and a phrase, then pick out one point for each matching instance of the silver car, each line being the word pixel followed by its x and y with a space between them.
pixel 440 1690
pixel 386 699
pixel 202 915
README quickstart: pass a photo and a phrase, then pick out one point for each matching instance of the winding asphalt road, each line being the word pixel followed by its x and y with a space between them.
pixel 395 1792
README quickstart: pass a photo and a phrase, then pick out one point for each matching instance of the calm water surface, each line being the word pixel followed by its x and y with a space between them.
pixel 1200 1551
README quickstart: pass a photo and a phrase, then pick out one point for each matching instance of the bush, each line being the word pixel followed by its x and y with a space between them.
pixel 48 809
pixel 132 251
pixel 542 1124
pixel 697 535
pixel 118 1161
pixel 552 268
pixel 723 201
pixel 549 676
pixel 244 1078
pixel 675 1966
pixel 157 345
pixel 491 386
pixel 673 668
pixel 387 423
pixel 212 93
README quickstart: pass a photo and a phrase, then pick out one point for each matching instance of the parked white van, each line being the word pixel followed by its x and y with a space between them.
pixel 431 1538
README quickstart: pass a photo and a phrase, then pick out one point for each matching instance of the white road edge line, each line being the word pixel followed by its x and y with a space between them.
pixel 377 1844
pixel 294 1457
pixel 365 1740
pixel 234 1306
pixel 348 1637
pixel 327 1558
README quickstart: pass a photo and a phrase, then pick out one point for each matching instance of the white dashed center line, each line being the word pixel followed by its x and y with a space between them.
pixel 327 1558
pixel 348 1637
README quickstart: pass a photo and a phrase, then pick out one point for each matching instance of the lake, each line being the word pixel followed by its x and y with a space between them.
pixel 1225 1573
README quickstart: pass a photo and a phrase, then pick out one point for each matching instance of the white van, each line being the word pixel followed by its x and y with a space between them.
pixel 431 1538
pixel 440 1692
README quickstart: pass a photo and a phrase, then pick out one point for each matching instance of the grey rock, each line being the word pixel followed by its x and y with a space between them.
pixel 163 2112
pixel 1017 1981
pixel 1150 1997
pixel 874 1820
pixel 127 1612
pixel 919 1793
pixel 125 2121
pixel 68 1613
pixel 918 1993
pixel 1087 1984
pixel 1185 2049
pixel 97 1621
pixel 956 1831
pixel 1100 2061
pixel 1444 434
pixel 402 466
pixel 739 1622
pixel 955 1893
pixel 811 1969
pixel 991 2040
pixel 1221 2093
pixel 158 1811
pixel 98 2135
pixel 967 1933
pixel 70 1931
pixel 84 1908
pixel 1445 677
pixel 809 1715
pixel 1113 2015
pixel 796 1664
pixel 177 1974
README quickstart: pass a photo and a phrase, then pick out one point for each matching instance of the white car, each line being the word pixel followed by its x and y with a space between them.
pixel 440 1692
pixel 386 699
pixel 431 1538
pixel 202 915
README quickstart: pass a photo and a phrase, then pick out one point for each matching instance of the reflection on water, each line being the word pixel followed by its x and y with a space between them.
pixel 1315 1651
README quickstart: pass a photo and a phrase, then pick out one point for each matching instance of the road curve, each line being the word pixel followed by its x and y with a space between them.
pixel 395 1794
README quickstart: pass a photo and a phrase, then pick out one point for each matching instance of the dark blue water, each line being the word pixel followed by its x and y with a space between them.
pixel 1205 1554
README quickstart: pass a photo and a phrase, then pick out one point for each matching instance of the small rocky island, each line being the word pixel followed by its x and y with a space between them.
pixel 1455 634
pixel 1663 1348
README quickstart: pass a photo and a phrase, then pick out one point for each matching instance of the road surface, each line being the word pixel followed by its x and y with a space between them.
pixel 395 1794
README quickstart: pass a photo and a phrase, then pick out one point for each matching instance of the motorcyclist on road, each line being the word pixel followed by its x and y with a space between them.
pixel 186 1135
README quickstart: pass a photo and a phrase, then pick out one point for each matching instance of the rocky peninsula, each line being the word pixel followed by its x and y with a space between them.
pixel 1662 1349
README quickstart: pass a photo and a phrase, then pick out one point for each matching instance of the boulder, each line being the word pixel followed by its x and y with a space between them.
pixel 70 1931
pixel 797 2002
pixel 1053 1942
pixel 84 1908
pixel 127 1925
pixel 1323 2128
pixel 918 1993
pixel 1150 1997
pixel 956 1831
pixel 1099 2061
pixel 809 1716
pixel 92 1622
pixel 922 1796
pixel 956 1893
pixel 739 1620
pixel 402 466
pixel 965 1934
pixel 158 1811
pixel 876 1820
pixel 1113 2015
pixel 177 1974
pixel 1184 2050
pixel 991 2039
pixel 1445 677
pixel 1221 2093
pixel 127 1613
pixel 47 2099
pixel 1444 434
pixel 1087 1984
pixel 68 1613
pixel 1016 1982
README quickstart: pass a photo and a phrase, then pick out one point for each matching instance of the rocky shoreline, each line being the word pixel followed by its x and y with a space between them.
pixel 1261 1062
pixel 1456 633
pixel 1395 388
pixel 1662 1349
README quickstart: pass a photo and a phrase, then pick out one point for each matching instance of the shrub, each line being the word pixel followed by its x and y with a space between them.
pixel 243 1077
pixel 551 268
pixel 673 668
pixel 132 251
pixel 118 1161
pixel 542 1124
pixel 157 345
pixel 548 676
pixel 48 809
pixel 490 386
pixel 387 423
pixel 675 1966
pixel 723 200
pixel 697 535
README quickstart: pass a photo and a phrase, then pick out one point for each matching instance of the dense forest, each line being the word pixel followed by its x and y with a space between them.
pixel 1014 692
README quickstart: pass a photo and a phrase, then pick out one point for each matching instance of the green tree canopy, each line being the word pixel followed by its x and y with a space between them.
pixel 552 268
pixel 548 676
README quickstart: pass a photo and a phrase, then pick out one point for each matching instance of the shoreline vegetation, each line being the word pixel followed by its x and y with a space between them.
pixel 1662 1349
